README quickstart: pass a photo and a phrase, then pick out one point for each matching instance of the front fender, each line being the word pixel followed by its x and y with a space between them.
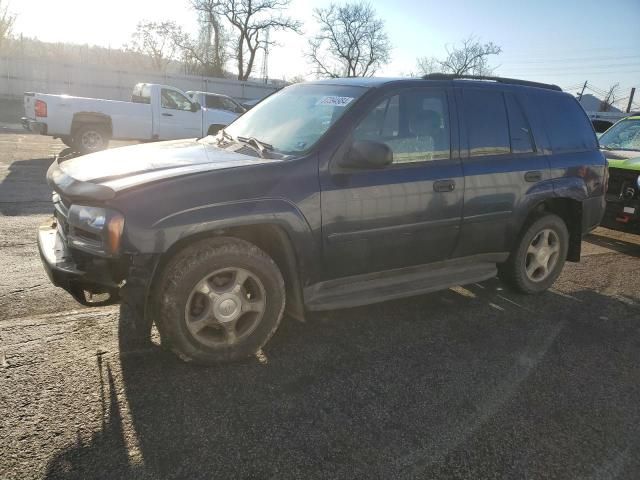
pixel 193 222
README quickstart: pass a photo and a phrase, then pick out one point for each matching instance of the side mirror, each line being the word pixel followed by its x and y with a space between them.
pixel 366 154
pixel 195 107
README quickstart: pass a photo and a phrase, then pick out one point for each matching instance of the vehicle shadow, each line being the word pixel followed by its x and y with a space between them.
pixel 621 246
pixel 454 384
pixel 24 189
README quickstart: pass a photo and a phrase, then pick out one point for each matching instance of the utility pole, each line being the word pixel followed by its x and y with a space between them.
pixel 633 92
pixel 265 59
pixel 582 91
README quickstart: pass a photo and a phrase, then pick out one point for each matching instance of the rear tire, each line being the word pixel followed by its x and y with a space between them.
pixel 537 261
pixel 90 138
pixel 218 300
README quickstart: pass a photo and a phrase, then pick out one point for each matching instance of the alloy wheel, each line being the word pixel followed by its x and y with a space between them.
pixel 225 307
pixel 542 255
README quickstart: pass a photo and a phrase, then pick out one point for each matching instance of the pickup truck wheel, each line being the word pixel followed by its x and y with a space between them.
pixel 219 300
pixel 537 261
pixel 90 138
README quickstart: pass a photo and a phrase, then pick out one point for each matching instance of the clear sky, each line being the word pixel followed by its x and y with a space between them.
pixel 561 41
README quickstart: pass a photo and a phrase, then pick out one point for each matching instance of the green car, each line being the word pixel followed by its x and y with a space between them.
pixel 621 145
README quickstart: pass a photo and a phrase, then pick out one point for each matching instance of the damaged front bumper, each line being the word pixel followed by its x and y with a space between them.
pixel 93 280
pixel 92 286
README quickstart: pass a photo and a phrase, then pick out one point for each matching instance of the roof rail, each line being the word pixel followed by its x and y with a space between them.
pixel 510 81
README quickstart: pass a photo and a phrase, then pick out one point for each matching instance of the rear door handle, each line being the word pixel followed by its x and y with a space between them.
pixel 167 114
pixel 534 176
pixel 444 186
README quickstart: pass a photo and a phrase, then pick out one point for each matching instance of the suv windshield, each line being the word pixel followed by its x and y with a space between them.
pixel 624 135
pixel 293 120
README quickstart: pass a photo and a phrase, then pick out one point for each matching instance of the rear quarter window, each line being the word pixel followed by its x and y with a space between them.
pixel 487 124
pixel 566 124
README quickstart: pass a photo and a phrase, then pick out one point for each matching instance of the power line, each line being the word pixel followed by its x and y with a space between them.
pixel 584 67
pixel 582 59
pixel 545 51
pixel 517 73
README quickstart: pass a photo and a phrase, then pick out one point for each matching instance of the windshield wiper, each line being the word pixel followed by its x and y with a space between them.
pixel 260 147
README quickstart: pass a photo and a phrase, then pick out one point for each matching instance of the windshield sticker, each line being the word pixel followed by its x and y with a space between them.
pixel 335 101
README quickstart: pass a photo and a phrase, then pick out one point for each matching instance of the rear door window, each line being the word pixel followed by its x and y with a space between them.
pixel 567 126
pixel 519 129
pixel 486 121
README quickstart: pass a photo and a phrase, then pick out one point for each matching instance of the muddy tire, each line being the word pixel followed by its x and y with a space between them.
pixel 218 300
pixel 90 138
pixel 537 261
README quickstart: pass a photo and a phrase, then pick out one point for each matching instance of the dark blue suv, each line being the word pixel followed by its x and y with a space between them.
pixel 329 194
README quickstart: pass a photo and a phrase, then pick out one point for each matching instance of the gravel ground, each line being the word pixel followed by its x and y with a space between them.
pixel 474 382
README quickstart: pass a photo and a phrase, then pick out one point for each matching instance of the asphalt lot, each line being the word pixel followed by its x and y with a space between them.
pixel 475 382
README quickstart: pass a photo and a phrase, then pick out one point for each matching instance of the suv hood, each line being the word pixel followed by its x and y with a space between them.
pixel 100 175
pixel 625 159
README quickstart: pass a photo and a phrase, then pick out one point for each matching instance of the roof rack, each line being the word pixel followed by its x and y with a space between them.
pixel 510 81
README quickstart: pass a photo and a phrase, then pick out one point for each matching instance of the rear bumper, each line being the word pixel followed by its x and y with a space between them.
pixel 593 210
pixel 34 126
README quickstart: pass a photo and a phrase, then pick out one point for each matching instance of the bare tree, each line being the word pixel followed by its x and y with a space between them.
pixel 250 19
pixel 211 48
pixel 204 55
pixel 155 40
pixel 7 20
pixel 296 79
pixel 427 65
pixel 351 41
pixel 471 58
pixel 610 98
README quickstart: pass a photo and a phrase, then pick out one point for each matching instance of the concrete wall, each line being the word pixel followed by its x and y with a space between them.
pixel 19 75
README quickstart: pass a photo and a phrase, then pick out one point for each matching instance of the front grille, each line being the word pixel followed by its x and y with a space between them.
pixel 623 183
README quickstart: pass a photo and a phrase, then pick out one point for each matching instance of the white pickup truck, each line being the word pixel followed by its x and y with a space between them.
pixel 155 112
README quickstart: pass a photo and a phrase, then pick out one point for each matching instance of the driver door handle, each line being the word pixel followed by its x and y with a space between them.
pixel 444 186
pixel 167 114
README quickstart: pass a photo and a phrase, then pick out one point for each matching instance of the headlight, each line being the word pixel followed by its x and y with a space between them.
pixel 91 216
pixel 96 228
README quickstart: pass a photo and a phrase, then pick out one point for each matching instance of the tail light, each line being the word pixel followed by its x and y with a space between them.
pixel 41 108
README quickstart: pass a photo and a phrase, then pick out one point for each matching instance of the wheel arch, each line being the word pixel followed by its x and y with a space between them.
pixel 91 118
pixel 570 211
pixel 271 238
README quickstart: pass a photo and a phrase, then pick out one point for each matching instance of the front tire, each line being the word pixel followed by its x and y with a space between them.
pixel 537 261
pixel 219 300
